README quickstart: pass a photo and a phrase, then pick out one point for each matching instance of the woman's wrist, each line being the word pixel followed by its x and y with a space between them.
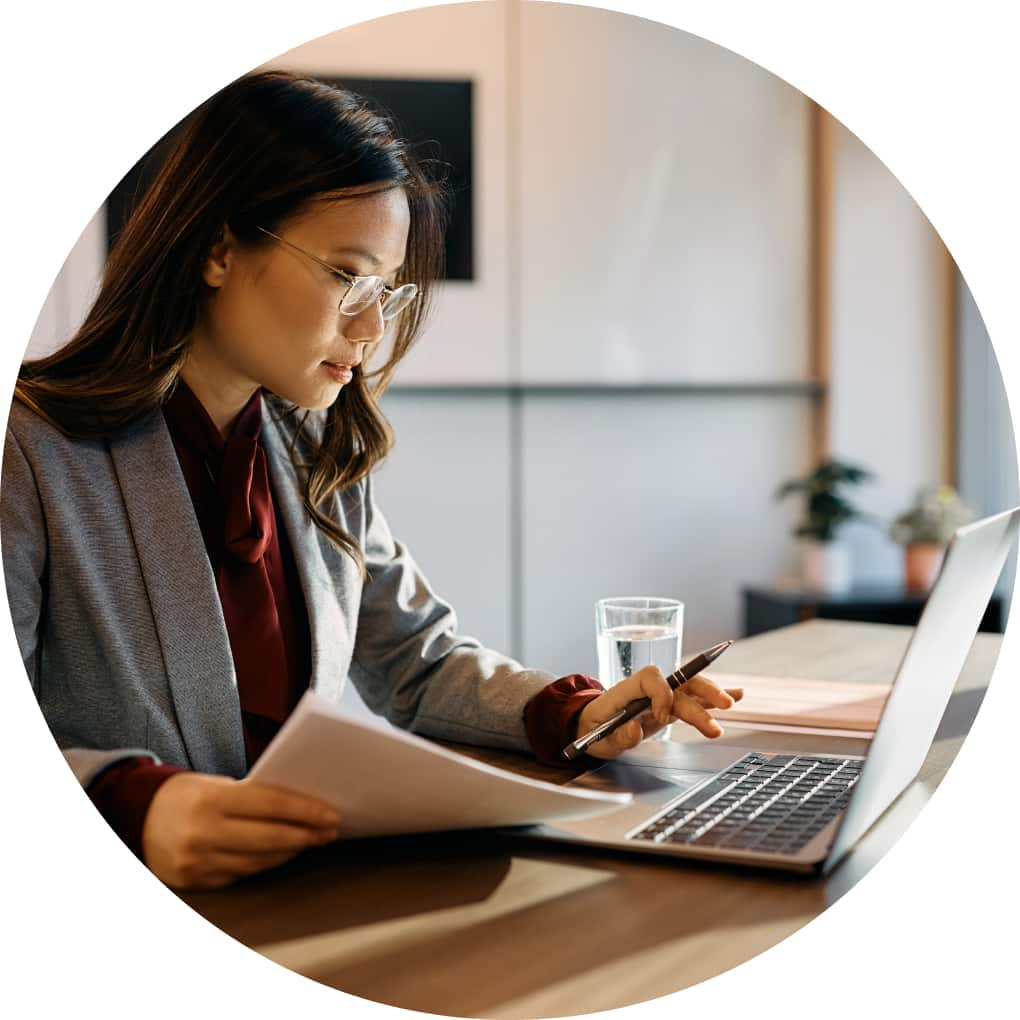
pixel 122 795
pixel 552 716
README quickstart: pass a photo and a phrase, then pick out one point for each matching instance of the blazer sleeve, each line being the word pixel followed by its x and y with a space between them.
pixel 411 666
pixel 24 540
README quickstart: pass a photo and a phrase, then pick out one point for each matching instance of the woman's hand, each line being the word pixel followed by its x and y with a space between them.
pixel 689 703
pixel 204 832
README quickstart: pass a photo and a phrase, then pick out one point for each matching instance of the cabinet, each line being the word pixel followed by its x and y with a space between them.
pixel 766 609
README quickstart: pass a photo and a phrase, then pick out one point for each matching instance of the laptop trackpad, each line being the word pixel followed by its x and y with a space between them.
pixel 659 765
pixel 655 774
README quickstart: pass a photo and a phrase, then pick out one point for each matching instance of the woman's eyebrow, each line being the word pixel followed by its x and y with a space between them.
pixel 362 254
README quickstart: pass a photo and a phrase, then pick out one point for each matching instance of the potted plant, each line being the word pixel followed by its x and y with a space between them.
pixel 825 564
pixel 924 532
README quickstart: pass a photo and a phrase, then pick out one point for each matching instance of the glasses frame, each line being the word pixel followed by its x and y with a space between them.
pixel 385 292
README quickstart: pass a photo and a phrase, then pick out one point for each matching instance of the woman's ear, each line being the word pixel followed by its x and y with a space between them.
pixel 220 258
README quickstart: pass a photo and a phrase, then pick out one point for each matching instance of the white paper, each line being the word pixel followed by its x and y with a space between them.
pixel 806 731
pixel 384 781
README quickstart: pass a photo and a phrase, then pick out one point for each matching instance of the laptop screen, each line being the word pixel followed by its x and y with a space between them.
pixel 928 672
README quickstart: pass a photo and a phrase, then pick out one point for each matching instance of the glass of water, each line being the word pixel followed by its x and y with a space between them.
pixel 636 631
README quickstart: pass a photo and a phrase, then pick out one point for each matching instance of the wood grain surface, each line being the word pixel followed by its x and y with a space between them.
pixel 483 925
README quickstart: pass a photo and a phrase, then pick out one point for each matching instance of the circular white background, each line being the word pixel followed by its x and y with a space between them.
pixel 931 88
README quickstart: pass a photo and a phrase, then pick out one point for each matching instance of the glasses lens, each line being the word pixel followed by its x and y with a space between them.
pixel 399 300
pixel 362 294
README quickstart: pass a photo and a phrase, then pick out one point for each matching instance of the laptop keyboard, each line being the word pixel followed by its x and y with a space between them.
pixel 770 804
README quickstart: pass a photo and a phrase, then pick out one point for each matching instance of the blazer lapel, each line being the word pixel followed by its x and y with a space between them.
pixel 184 599
pixel 326 590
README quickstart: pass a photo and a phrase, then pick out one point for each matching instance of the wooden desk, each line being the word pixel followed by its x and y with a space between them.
pixel 473 924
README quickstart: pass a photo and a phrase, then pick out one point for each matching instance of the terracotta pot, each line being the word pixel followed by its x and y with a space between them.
pixel 825 567
pixel 921 564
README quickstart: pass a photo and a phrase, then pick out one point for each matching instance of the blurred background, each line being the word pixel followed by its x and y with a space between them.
pixel 675 284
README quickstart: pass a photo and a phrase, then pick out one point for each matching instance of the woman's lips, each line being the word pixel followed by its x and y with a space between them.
pixel 339 373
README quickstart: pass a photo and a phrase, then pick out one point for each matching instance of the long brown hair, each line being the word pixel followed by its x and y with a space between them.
pixel 251 156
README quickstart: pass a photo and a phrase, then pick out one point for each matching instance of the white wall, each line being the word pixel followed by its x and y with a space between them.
pixel 986 442
pixel 885 370
pixel 663 232
pixel 446 492
pixel 650 495
pixel 72 292
pixel 664 209
pixel 686 166
pixel 703 242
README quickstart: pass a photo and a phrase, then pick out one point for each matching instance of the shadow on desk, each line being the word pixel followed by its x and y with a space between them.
pixel 506 915
pixel 481 924
pixel 406 875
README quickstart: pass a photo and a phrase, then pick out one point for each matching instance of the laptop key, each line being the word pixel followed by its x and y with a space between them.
pixel 711 789
pixel 775 806
pixel 711 838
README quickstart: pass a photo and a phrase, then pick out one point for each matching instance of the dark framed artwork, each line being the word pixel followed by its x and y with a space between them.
pixel 435 116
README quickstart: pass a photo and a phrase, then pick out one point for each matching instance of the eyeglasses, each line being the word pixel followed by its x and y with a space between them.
pixel 362 291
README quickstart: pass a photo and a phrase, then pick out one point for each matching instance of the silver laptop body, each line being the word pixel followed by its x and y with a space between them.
pixel 675 785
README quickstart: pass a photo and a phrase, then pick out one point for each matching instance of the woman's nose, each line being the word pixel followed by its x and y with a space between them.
pixel 366 327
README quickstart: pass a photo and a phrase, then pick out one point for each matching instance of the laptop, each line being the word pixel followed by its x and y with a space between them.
pixel 802 812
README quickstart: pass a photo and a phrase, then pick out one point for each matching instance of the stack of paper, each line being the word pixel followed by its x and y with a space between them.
pixel 774 702
pixel 384 781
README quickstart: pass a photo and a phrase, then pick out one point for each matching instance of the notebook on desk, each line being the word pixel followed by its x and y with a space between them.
pixel 802 812
pixel 793 702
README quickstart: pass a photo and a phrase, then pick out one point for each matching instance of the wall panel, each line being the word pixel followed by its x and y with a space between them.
pixel 664 211
pixel 639 495
pixel 445 491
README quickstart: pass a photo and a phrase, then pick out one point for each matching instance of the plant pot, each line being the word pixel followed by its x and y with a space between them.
pixel 825 567
pixel 921 564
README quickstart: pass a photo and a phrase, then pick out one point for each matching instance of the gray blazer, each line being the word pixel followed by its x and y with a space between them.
pixel 120 626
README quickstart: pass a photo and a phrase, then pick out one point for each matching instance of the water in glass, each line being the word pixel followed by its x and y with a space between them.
pixel 625 649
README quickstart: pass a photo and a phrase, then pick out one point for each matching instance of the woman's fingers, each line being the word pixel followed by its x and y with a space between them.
pixel 690 711
pixel 652 684
pixel 203 831
pixel 623 738
pixel 254 836
pixel 246 799
pixel 647 682
pixel 690 703
pixel 704 689
pixel 736 693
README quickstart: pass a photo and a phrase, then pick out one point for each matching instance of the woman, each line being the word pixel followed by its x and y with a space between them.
pixel 189 534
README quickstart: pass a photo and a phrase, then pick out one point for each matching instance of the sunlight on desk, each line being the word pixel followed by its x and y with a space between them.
pixel 505 927
pixel 632 977
pixel 527 884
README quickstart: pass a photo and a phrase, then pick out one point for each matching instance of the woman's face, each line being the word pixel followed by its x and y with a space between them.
pixel 273 317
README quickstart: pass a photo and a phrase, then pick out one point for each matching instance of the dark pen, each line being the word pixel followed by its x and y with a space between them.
pixel 675 679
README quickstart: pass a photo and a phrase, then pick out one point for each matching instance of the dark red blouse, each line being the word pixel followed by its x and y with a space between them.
pixel 257 581
pixel 264 609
